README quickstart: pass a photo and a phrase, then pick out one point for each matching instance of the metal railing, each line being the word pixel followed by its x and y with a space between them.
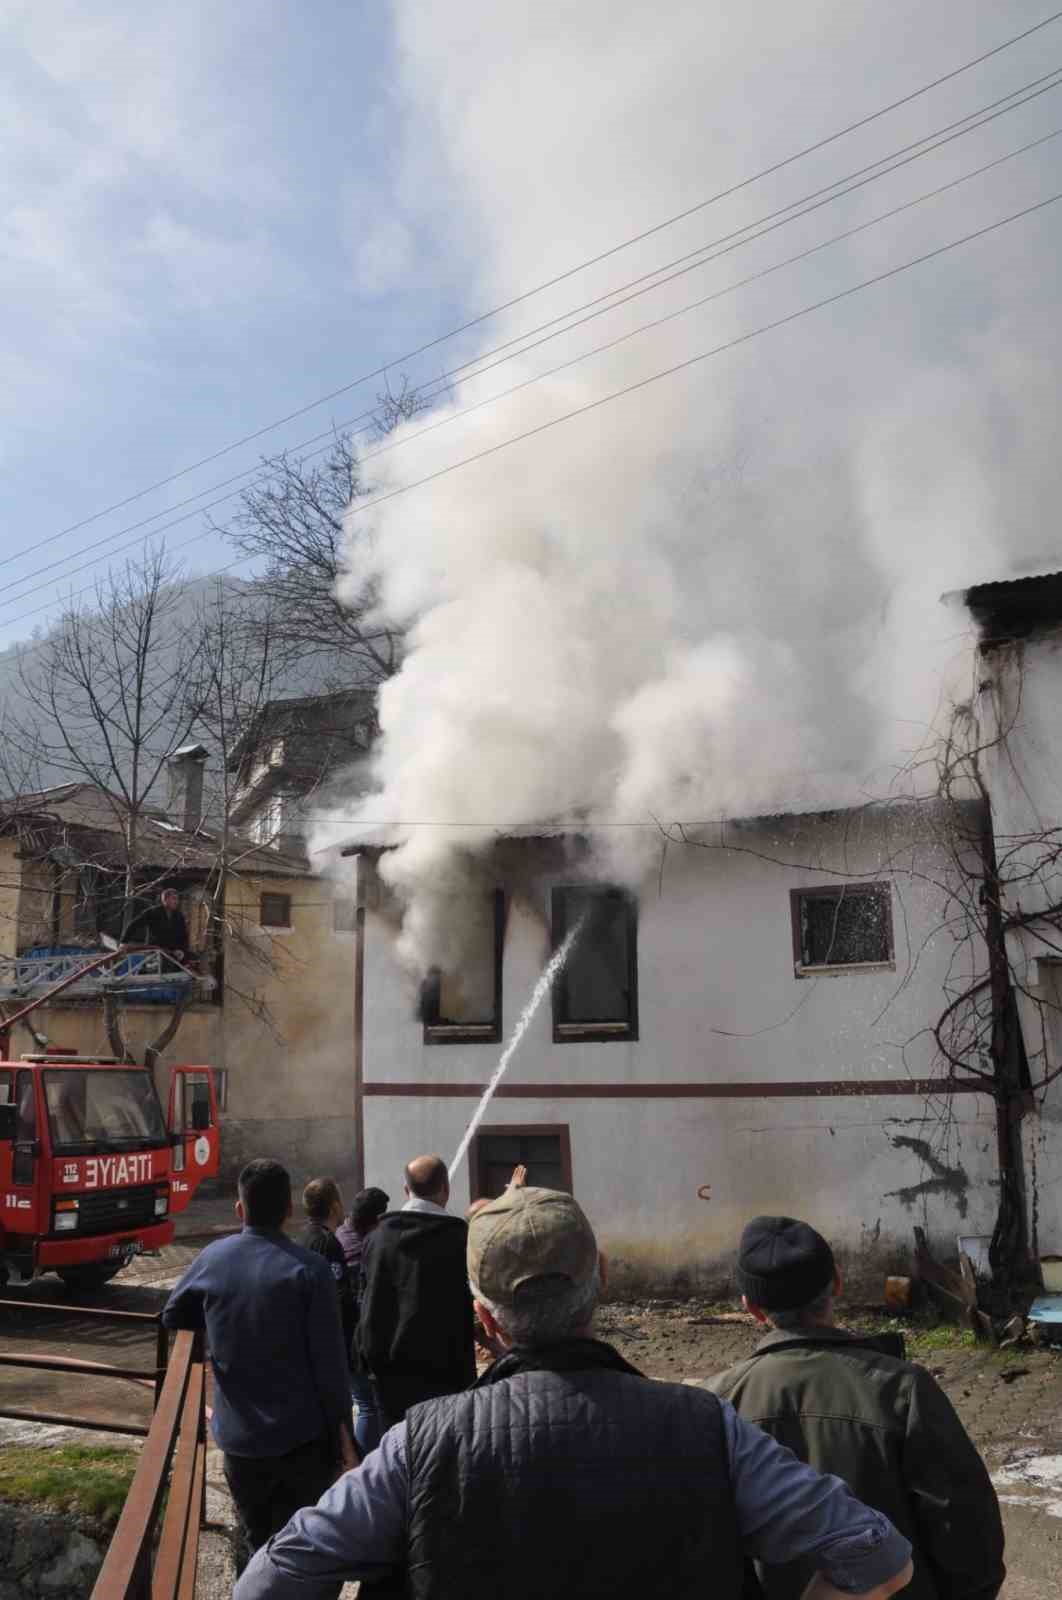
pixel 98 1369
pixel 139 1566
pixel 80 973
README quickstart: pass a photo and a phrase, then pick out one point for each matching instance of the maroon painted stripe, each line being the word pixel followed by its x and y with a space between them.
pixel 775 1089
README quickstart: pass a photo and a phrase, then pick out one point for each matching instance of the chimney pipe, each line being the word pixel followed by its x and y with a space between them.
pixel 186 785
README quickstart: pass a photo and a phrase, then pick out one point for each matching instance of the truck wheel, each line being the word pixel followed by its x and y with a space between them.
pixel 93 1276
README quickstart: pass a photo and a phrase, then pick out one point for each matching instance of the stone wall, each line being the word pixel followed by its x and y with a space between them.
pixel 48 1554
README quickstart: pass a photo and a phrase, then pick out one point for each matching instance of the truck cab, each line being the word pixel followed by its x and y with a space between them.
pixel 91 1170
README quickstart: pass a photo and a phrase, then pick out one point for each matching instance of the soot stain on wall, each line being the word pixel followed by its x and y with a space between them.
pixel 953 1181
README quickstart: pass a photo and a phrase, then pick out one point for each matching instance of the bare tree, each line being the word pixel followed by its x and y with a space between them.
pixel 241 667
pixel 112 693
pixel 292 518
pixel 996 1024
pixel 106 700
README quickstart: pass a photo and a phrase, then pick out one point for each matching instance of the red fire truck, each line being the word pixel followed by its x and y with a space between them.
pixel 91 1170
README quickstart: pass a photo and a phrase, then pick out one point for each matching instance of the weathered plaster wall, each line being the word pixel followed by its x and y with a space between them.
pixel 36 890
pixel 719 1003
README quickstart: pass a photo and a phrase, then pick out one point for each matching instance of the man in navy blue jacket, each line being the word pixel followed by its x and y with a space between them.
pixel 281 1407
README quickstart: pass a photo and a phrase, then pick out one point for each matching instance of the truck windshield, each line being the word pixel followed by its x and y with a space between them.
pixel 93 1109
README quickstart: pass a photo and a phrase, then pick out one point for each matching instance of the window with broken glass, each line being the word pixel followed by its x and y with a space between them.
pixel 465 1004
pixel 595 995
pixel 841 926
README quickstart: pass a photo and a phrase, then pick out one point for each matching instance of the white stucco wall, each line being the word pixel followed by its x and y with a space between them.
pixel 715 953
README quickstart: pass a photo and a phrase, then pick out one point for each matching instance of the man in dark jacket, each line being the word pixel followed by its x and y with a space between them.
pixel 281 1412
pixel 366 1209
pixel 162 925
pixel 415 1324
pixel 323 1205
pixel 850 1405
pixel 566 1473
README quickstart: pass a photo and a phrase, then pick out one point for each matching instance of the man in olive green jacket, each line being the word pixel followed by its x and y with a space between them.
pixel 851 1406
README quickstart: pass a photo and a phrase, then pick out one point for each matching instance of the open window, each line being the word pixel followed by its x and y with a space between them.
pixel 595 995
pixel 465 1006
pixel 841 928
pixel 543 1148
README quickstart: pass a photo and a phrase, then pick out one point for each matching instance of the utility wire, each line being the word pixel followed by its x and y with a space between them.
pixel 602 305
pixel 667 372
pixel 705 355
pixel 561 277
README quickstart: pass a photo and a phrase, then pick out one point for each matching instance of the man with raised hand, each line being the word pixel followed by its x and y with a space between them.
pixel 415 1320
pixel 848 1403
pixel 565 1472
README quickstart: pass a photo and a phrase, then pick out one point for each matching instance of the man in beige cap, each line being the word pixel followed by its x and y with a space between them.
pixel 564 1472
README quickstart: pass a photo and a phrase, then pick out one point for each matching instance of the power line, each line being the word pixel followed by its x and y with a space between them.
pixel 603 304
pixel 561 277
pixel 730 288
pixel 667 372
pixel 705 355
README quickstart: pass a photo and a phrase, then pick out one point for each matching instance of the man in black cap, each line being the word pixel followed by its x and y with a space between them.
pixel 848 1404
pixel 564 1472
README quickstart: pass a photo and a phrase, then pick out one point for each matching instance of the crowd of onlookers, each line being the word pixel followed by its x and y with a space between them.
pixel 360 1443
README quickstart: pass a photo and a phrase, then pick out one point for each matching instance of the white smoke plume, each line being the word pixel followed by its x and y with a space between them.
pixel 718 595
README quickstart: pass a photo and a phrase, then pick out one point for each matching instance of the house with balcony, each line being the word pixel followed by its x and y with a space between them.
pixel 270 1006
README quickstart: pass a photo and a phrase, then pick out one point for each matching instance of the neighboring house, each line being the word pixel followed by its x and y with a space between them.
pixel 277 1025
pixel 287 763
pixel 751 1033
pixel 1019 704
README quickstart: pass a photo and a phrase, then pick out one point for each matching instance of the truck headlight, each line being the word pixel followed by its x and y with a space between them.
pixel 65 1216
pixel 162 1200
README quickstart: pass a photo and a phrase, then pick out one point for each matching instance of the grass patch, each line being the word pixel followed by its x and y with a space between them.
pixel 88 1480
pixel 923 1333
pixel 924 1341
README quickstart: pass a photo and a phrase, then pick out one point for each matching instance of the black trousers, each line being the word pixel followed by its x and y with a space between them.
pixel 394 1396
pixel 268 1490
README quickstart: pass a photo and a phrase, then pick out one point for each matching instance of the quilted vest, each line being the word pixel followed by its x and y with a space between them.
pixel 571 1485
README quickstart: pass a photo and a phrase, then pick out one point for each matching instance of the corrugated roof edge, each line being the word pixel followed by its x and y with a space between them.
pixel 1006 609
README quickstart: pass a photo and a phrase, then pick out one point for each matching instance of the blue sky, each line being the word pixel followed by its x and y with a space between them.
pixel 212 214
pixel 198 234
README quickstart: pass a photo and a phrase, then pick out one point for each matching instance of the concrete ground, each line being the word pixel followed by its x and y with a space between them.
pixel 1011 1403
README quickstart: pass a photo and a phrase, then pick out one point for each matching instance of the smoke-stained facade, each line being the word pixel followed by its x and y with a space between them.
pixel 750 1033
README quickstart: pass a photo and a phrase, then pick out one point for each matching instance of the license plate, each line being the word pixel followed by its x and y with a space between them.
pixel 125 1251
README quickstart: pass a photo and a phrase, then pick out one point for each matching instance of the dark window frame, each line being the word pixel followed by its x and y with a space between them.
pixel 880 889
pixel 566 1031
pixel 271 922
pixel 519 1130
pixel 438 1032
